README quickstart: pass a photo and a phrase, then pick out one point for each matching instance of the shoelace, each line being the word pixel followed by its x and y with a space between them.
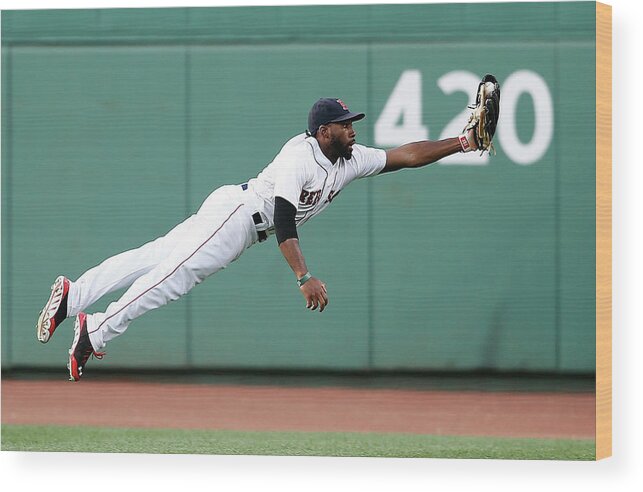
pixel 98 355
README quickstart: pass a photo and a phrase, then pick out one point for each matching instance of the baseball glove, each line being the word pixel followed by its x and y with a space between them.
pixel 484 118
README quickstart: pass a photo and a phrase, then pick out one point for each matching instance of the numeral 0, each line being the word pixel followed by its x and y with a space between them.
pixel 534 85
pixel 401 119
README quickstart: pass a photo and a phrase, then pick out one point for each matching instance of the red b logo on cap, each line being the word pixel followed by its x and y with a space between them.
pixel 341 103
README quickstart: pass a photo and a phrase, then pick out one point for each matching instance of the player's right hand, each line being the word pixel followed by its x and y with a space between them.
pixel 314 291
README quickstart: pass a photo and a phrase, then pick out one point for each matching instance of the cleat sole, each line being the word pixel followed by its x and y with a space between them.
pixel 43 325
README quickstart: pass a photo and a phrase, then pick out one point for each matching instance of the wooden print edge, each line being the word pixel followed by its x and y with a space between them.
pixel 603 231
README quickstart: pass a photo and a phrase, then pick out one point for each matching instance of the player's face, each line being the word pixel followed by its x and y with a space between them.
pixel 342 138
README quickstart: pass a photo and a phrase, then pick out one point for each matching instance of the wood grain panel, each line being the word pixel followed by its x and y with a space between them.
pixel 603 231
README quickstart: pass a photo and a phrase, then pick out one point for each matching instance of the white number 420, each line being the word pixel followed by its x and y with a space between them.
pixel 401 119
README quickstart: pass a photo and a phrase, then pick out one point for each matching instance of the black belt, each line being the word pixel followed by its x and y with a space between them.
pixel 256 217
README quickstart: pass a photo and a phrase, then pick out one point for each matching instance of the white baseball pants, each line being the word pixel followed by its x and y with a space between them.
pixel 165 269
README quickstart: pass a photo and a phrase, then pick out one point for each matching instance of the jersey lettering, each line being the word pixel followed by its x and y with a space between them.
pixel 332 195
pixel 309 198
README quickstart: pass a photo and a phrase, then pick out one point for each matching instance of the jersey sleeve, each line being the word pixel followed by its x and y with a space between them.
pixel 367 161
pixel 290 176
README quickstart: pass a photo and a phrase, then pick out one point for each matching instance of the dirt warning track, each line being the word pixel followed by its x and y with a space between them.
pixel 270 408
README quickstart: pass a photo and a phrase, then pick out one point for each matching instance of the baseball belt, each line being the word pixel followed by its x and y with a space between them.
pixel 258 220
pixel 256 217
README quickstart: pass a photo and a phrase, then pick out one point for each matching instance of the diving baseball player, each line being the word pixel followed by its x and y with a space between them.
pixel 302 180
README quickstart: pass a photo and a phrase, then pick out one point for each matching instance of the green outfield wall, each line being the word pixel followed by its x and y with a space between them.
pixel 117 123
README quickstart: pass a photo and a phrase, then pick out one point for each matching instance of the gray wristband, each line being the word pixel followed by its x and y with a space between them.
pixel 304 279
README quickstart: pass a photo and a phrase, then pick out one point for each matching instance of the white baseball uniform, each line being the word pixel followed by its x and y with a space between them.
pixel 223 227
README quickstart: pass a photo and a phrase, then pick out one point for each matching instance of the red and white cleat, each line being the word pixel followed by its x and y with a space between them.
pixel 54 312
pixel 81 349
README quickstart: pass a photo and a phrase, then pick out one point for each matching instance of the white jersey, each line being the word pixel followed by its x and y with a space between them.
pixel 304 176
pixel 206 242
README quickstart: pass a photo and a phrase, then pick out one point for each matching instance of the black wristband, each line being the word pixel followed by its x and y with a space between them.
pixel 285 226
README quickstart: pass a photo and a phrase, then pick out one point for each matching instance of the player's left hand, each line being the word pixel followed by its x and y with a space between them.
pixel 315 293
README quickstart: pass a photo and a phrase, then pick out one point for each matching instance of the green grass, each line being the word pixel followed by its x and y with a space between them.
pixel 170 441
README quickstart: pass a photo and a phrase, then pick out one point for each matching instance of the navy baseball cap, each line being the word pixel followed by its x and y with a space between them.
pixel 329 110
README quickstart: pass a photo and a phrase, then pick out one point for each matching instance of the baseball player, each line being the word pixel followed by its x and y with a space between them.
pixel 301 181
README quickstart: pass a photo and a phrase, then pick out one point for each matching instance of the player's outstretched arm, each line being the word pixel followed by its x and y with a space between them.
pixel 313 289
pixel 418 154
pixel 477 134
